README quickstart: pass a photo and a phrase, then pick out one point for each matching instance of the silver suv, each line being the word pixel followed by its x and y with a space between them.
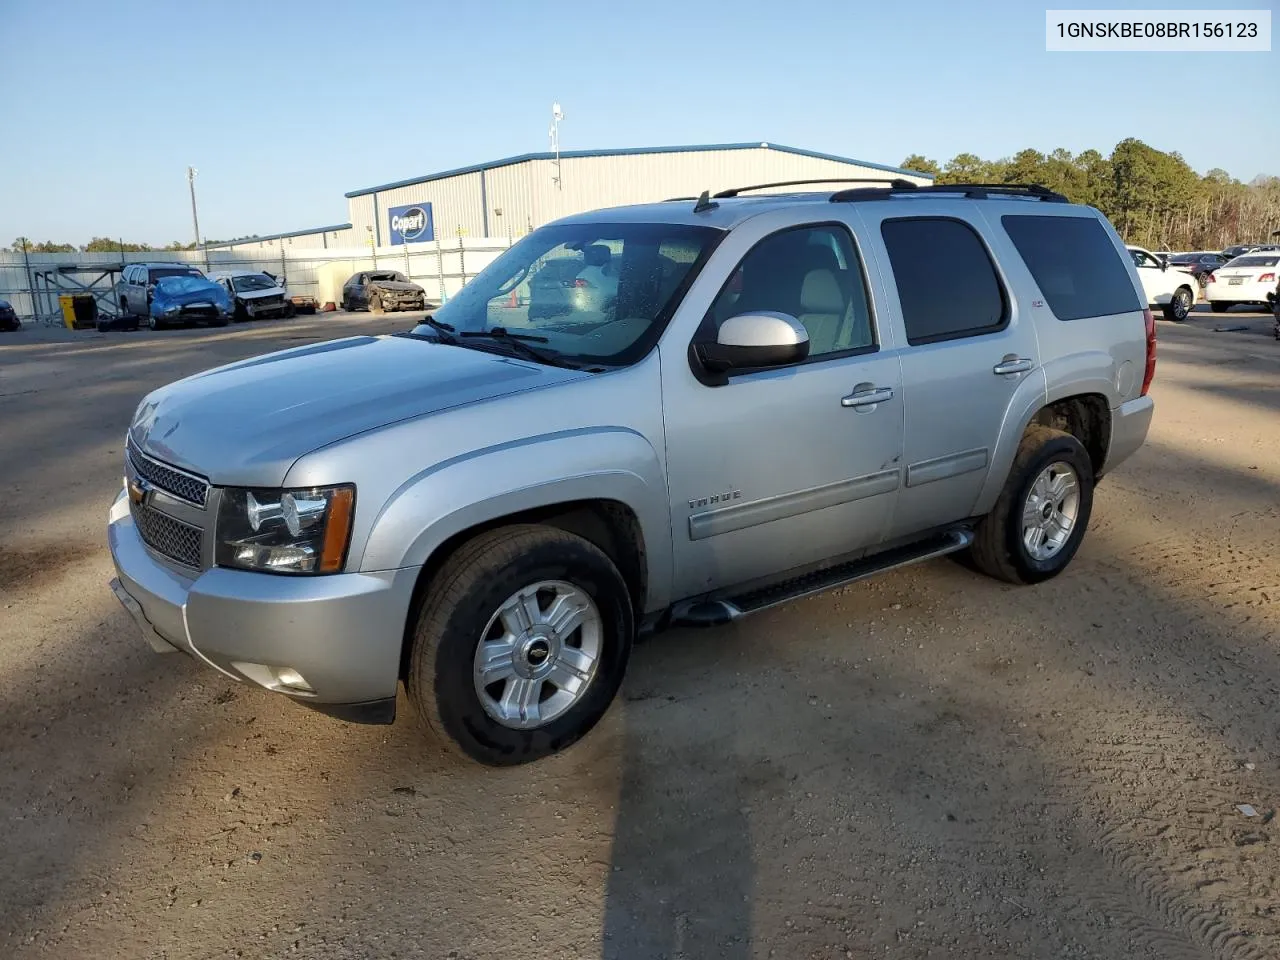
pixel 787 393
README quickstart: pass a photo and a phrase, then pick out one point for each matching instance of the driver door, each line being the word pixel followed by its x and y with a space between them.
pixel 788 466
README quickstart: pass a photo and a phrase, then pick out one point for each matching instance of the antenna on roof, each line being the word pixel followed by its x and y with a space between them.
pixel 705 203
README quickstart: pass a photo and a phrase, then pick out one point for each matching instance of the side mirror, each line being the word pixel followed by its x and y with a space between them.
pixel 1164 263
pixel 755 340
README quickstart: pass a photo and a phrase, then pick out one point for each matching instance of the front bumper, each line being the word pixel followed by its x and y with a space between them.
pixel 1129 425
pixel 343 633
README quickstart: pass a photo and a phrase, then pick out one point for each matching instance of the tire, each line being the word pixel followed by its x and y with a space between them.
pixel 461 607
pixel 1179 305
pixel 999 548
pixel 375 303
pixel 241 315
pixel 289 311
pixel 1220 306
pixel 154 322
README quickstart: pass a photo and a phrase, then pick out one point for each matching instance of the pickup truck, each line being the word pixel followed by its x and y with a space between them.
pixel 782 397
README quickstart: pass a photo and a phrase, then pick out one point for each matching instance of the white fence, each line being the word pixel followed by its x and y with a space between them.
pixel 33 282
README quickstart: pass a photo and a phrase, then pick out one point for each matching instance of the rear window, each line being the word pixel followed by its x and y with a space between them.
pixel 1074 264
pixel 1254 262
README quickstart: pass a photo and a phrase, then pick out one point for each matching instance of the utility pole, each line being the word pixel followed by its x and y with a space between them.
pixel 556 116
pixel 195 220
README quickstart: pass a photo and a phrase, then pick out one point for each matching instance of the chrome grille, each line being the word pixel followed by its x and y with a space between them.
pixel 162 533
pixel 181 485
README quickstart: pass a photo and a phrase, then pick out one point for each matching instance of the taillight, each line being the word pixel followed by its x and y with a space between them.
pixel 1267 278
pixel 1210 278
pixel 580 283
pixel 1149 319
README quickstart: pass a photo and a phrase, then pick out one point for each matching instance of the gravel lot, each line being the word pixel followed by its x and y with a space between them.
pixel 927 765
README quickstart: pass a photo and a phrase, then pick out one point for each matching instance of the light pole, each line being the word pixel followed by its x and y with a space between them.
pixel 195 220
pixel 556 116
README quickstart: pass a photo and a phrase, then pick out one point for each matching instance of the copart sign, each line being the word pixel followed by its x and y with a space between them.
pixel 411 223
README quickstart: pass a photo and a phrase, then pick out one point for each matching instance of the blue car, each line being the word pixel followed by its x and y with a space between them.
pixel 188 299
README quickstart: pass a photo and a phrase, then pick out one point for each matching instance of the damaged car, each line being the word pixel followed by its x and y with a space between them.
pixel 181 300
pixel 382 290
pixel 256 295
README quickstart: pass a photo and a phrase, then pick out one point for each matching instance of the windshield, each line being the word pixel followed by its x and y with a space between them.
pixel 174 284
pixel 254 281
pixel 597 292
pixel 388 275
pixel 1254 261
pixel 158 272
pixel 1184 258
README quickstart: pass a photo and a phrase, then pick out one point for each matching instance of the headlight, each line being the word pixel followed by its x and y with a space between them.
pixel 285 531
pixel 170 311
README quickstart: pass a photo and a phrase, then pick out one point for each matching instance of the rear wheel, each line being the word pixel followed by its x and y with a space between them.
pixel 1179 305
pixel 1041 515
pixel 1220 306
pixel 520 644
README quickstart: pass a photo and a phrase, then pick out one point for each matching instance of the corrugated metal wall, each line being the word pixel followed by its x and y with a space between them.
pixel 527 195
pixel 588 183
pixel 509 193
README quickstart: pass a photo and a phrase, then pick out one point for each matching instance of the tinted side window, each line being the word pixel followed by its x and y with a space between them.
pixel 810 273
pixel 1074 264
pixel 946 281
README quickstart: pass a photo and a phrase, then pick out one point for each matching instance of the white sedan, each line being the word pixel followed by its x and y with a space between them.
pixel 1168 288
pixel 1251 278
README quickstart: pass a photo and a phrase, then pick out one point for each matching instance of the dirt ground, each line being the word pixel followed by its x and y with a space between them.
pixel 927 765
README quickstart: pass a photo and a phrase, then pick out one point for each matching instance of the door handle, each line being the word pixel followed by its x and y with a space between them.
pixel 1012 364
pixel 867 396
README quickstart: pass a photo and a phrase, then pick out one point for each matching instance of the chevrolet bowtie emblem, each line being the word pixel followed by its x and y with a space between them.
pixel 138 490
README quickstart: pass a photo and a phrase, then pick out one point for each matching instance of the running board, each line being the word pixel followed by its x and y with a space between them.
pixel 713 611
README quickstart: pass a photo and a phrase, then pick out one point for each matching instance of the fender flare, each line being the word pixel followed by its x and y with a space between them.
pixel 485 485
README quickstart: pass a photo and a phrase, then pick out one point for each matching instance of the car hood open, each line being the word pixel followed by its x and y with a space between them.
pixel 246 423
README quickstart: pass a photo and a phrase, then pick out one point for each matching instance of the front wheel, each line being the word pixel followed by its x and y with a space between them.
pixel 1041 515
pixel 1179 305
pixel 154 322
pixel 375 303
pixel 520 645
pixel 1220 306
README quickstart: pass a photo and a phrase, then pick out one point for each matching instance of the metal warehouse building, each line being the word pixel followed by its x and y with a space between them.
pixel 510 197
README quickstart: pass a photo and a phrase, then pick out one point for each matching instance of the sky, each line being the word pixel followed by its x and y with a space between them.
pixel 283 106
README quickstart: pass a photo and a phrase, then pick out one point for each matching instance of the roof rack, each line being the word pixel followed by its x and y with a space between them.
pixel 894 182
pixel 973 191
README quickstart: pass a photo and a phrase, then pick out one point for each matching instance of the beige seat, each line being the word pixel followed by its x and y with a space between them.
pixel 823 307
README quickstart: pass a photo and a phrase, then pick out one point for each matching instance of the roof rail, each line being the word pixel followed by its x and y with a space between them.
pixel 973 191
pixel 894 182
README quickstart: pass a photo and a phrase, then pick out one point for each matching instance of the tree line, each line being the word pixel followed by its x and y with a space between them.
pixel 96 245
pixel 1153 198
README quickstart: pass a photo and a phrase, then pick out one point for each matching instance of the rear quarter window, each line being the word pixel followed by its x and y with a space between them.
pixel 1075 265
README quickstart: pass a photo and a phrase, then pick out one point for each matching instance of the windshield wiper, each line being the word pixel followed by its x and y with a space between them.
pixel 445 330
pixel 519 343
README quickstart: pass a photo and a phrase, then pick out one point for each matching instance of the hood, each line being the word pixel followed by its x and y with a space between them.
pixel 395 285
pixel 187 290
pixel 246 423
pixel 259 294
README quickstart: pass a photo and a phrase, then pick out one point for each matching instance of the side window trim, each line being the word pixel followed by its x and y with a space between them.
pixel 1006 303
pixel 871 348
